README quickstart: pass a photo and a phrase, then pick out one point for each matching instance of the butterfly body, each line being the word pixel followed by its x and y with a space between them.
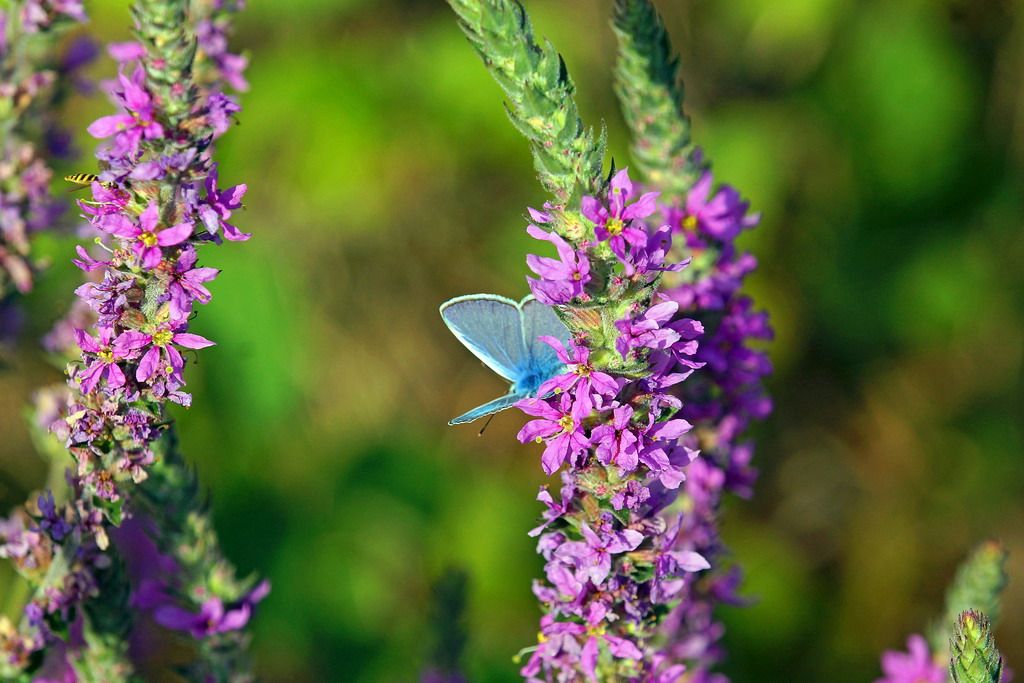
pixel 504 335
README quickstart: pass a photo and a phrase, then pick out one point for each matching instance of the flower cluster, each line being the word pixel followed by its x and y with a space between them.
pixel 610 541
pixel 33 77
pixel 721 400
pixel 650 290
pixel 157 203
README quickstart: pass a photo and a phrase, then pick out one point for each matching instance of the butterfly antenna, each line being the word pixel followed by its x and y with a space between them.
pixel 481 432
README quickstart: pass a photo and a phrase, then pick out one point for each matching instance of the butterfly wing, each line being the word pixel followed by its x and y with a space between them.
pixel 490 327
pixel 488 408
pixel 541 320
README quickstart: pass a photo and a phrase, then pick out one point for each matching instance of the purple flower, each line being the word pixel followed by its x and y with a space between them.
pixel 126 52
pixel 136 123
pixel 619 223
pixel 107 351
pixel 562 279
pixel 592 556
pixel 105 200
pixel 51 520
pixel 649 330
pixel 160 344
pixel 186 284
pixel 220 110
pixel 218 206
pixel 558 427
pixel 722 216
pixel 555 510
pixel 582 376
pixel 146 240
pixel 213 617
pixel 620 648
pixel 616 442
pixel 915 666
pixel 657 454
pixel 87 262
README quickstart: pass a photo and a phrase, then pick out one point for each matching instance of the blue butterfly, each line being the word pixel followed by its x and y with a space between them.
pixel 503 334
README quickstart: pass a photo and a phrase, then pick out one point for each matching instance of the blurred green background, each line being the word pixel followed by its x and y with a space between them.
pixel 884 142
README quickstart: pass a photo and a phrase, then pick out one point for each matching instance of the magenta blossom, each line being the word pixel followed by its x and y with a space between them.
pixel 86 262
pixel 915 666
pixel 105 200
pixel 649 330
pixel 592 556
pixel 218 207
pixel 161 345
pixel 186 284
pixel 616 442
pixel 659 452
pixel 562 279
pixel 213 616
pixel 138 122
pixel 620 222
pixel 722 216
pixel 559 427
pixel 146 240
pixel 108 351
pixel 581 374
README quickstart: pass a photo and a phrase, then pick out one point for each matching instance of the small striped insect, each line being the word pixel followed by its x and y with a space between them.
pixel 87 179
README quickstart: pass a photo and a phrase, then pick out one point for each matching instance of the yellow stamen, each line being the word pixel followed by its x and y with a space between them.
pixel 567 423
pixel 163 337
pixel 148 238
pixel 615 226
pixel 690 223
